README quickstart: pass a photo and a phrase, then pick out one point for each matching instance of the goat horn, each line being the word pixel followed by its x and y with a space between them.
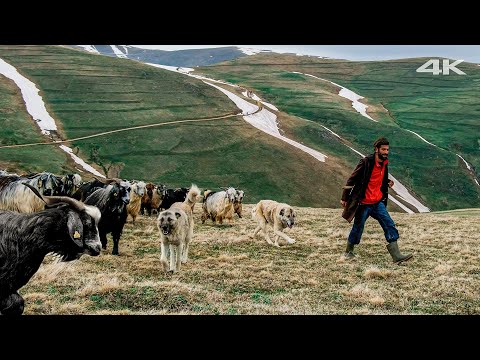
pixel 77 205
pixel 50 200
pixel 35 191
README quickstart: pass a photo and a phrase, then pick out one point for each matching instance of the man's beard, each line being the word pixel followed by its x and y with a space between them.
pixel 383 157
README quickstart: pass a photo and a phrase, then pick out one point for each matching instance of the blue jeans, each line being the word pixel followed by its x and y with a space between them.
pixel 379 213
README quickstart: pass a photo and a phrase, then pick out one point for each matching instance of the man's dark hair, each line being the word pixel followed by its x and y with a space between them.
pixel 379 142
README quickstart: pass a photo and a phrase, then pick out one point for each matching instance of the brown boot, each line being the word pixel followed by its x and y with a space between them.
pixel 349 251
pixel 396 255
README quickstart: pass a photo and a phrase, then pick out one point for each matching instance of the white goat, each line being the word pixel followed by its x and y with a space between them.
pixel 218 205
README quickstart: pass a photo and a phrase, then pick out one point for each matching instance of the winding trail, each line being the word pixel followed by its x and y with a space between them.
pixel 124 129
pixel 36 108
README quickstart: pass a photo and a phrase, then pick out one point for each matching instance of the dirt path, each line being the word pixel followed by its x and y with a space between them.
pixel 129 129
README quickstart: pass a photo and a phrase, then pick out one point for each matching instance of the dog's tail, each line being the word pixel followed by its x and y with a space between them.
pixel 254 211
pixel 193 196
pixel 257 211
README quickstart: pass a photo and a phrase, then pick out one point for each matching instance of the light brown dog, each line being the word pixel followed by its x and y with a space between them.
pixel 176 231
pixel 278 215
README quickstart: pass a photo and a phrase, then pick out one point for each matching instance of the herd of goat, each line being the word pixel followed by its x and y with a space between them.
pixel 43 213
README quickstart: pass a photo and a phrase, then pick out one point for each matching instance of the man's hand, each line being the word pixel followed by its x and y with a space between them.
pixel 390 183
pixel 343 202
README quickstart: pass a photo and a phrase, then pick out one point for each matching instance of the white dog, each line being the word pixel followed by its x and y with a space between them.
pixel 176 231
pixel 279 215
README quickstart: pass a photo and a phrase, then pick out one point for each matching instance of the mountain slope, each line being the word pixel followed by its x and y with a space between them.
pixel 88 94
pixel 185 58
pixel 444 109
pixel 17 127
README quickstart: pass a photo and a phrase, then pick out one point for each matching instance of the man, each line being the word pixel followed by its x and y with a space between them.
pixel 365 194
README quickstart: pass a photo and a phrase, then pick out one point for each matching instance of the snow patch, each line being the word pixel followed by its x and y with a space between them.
pixel 347 94
pixel 465 161
pixel 187 71
pixel 403 192
pixel 400 204
pixel 117 52
pixel 265 121
pixel 250 51
pixel 33 101
pixel 331 131
pixel 413 132
pixel 89 48
pixel 357 105
pixel 36 108
pixel 271 106
pixel 80 161
pixel 469 168
pixel 251 95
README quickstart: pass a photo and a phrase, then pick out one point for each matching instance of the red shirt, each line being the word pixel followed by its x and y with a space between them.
pixel 374 194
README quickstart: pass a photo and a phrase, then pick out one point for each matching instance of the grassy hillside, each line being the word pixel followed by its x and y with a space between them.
pixel 230 273
pixel 88 94
pixel 17 127
pixel 443 109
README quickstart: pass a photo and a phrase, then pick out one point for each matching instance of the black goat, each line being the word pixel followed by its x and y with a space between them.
pixel 47 183
pixel 67 227
pixel 70 184
pixel 88 188
pixel 171 196
pixel 112 203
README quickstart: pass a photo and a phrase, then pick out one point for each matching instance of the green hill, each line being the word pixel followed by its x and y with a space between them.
pixel 442 109
pixel 88 94
pixel 197 57
pixel 17 127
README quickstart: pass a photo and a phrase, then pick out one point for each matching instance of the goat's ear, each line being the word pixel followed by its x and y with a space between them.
pixel 75 228
pixel 177 214
pixel 282 212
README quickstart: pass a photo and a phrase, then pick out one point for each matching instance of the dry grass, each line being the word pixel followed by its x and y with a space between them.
pixel 230 273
